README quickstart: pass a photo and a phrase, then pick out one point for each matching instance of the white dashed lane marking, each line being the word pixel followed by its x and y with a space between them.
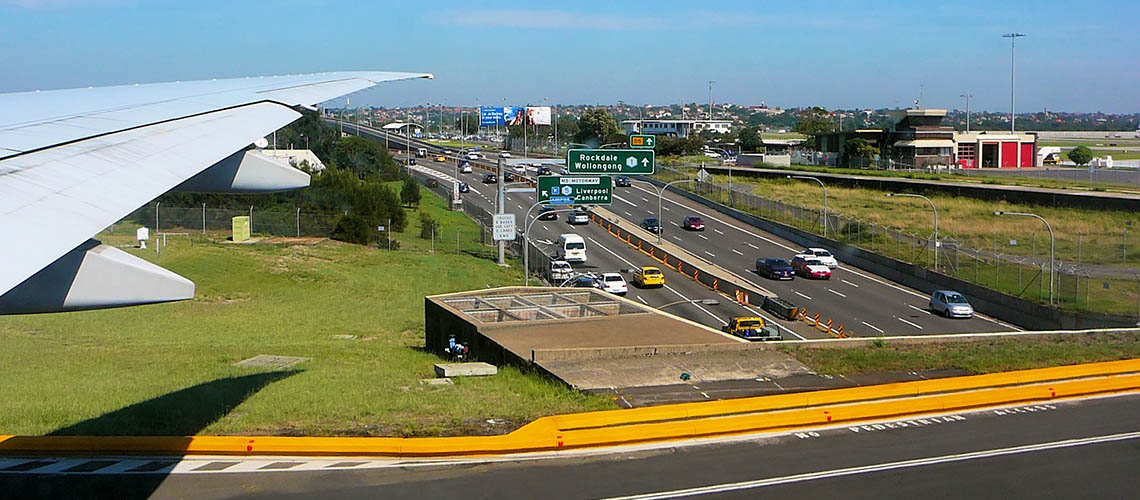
pixel 909 323
pixel 710 254
pixel 919 309
pixel 801 295
pixel 737 252
pixel 849 283
pixel 837 293
pixel 873 327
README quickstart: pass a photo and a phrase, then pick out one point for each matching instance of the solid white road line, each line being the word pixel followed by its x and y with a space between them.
pixel 919 309
pixel 873 327
pixel 883 467
pixel 849 283
pixel 642 300
pixel 801 295
pixel 667 287
pixel 909 323
pixel 737 252
pixel 837 293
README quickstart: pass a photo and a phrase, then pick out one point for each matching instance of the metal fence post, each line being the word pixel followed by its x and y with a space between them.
pixel 203 218
pixel 251 219
pixel 298 222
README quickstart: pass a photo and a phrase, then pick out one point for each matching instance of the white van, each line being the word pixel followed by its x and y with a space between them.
pixel 571 248
pixel 421 153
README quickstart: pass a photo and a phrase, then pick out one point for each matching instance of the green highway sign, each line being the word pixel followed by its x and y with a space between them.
pixel 575 190
pixel 641 141
pixel 610 161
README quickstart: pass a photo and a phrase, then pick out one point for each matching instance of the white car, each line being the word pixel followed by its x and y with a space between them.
pixel 504 154
pixel 472 156
pixel 823 256
pixel 560 271
pixel 950 304
pixel 614 283
pixel 520 168
pixel 466 169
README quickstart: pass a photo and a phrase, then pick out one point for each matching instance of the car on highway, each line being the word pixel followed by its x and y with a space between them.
pixel 622 181
pixel 650 224
pixel 584 282
pixel 520 168
pixel 509 176
pixel 440 159
pixel 490 178
pixel 564 171
pixel 421 153
pixel 465 167
pixel 751 328
pixel 464 187
pixel 777 269
pixel 950 304
pixel 810 267
pixel 693 223
pixel 472 156
pixel 571 248
pixel 560 271
pixel 544 170
pixel 578 217
pixel 614 283
pixel 649 276
pixel 504 154
pixel 822 255
pixel 547 212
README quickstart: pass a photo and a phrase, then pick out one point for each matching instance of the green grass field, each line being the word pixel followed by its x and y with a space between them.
pixel 167 369
pixel 984 356
pixel 976 179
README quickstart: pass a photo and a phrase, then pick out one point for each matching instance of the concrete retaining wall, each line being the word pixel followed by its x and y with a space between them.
pixel 1005 307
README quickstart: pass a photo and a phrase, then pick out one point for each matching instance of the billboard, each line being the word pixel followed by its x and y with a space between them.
pixel 513 115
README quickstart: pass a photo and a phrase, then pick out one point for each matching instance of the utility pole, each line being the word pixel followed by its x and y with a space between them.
pixel 1012 70
pixel 500 206
pixel 711 82
pixel 967 96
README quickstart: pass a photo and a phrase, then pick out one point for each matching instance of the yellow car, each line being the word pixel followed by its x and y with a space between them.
pixel 441 159
pixel 649 276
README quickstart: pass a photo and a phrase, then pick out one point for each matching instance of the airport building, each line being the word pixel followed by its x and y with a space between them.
pixel 920 140
pixel 676 128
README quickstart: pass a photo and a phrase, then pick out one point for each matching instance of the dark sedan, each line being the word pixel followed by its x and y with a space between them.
pixel 622 181
pixel 547 213
pixel 490 178
pixel 777 269
pixel 650 224
pixel 543 170
pixel 693 223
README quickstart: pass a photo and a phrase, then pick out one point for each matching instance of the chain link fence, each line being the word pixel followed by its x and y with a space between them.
pixel 1010 265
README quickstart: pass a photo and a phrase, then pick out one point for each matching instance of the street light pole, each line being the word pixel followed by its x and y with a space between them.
pixel 1012 70
pixel 711 82
pixel 824 198
pixel 932 207
pixel 1052 266
pixel 967 96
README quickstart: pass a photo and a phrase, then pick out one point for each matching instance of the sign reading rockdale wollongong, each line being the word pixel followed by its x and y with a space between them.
pixel 610 161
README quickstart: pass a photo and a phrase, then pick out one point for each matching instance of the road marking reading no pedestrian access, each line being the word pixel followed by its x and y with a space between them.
pixel 801 295
pixel 837 293
pixel 908 322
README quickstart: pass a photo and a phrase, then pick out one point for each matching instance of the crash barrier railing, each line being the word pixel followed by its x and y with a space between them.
pixel 689 269
pixel 650 424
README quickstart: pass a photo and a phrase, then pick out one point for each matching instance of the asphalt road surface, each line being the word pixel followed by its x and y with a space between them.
pixel 1082 449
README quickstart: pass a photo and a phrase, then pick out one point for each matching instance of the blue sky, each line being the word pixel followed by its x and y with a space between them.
pixel 1078 56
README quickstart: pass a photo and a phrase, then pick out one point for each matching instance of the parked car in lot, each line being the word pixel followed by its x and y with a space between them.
pixel 560 271
pixel 578 217
pixel 810 267
pixel 751 328
pixel 504 154
pixel 823 256
pixel 693 223
pixel 490 178
pixel 614 283
pixel 622 181
pixel 950 304
pixel 465 167
pixel 649 276
pixel 650 224
pixel 777 269
pixel 464 188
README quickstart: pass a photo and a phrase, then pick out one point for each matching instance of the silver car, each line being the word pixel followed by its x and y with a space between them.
pixel 950 304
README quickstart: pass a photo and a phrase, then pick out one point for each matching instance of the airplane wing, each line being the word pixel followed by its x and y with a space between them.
pixel 73 162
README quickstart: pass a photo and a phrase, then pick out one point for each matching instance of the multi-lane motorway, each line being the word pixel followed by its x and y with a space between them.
pixel 865 303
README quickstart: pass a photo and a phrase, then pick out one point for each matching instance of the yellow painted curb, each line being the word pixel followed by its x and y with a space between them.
pixel 673 422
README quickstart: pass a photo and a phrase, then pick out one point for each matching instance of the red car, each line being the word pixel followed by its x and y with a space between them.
pixel 693 223
pixel 811 268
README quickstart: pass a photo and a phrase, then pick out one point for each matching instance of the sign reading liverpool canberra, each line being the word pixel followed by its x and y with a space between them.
pixel 575 190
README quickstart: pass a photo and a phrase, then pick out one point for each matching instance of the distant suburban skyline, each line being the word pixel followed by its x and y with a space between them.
pixel 1077 56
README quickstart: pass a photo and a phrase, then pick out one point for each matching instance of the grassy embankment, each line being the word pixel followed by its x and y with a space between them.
pixel 168 369
pixel 1098 234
